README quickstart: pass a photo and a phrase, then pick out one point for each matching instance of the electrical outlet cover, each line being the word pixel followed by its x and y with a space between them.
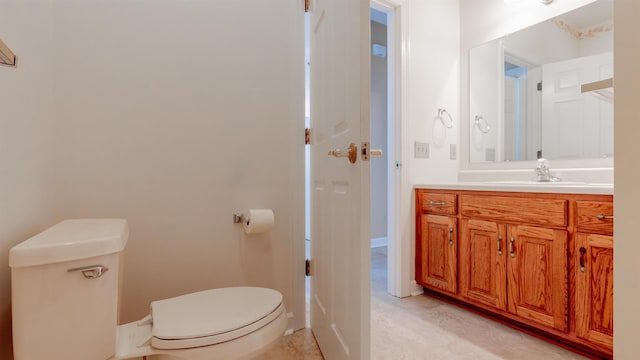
pixel 490 154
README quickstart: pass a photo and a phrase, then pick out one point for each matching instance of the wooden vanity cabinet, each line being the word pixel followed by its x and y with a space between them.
pixel 483 267
pixel 537 279
pixel 593 269
pixel 540 262
pixel 518 264
pixel 515 268
pixel 437 248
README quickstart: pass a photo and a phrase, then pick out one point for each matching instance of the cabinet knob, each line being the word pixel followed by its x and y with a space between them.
pixel 604 217
pixel 499 244
pixel 450 236
pixel 512 252
pixel 582 252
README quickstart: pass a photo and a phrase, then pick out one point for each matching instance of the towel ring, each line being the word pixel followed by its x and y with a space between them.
pixel 482 124
pixel 449 124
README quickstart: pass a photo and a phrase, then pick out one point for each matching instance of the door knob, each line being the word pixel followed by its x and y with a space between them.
pixel 351 153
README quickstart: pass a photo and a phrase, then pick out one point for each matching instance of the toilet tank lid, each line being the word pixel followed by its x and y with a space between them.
pixel 71 240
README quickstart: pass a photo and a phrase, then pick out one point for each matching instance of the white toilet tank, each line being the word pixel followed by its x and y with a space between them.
pixel 64 290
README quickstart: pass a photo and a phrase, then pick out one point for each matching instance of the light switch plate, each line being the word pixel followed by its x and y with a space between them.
pixel 421 150
pixel 452 151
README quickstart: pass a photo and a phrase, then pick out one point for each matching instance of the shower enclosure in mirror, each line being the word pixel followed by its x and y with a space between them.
pixel 531 92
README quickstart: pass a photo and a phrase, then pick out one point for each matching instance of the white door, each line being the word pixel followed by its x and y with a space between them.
pixel 340 221
pixel 576 124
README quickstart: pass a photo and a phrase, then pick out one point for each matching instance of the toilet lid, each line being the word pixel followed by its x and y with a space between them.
pixel 213 313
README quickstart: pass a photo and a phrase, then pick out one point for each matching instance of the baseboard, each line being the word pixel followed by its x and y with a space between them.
pixel 379 242
pixel 290 324
pixel 416 289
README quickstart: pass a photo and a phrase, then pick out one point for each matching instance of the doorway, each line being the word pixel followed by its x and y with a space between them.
pixel 379 108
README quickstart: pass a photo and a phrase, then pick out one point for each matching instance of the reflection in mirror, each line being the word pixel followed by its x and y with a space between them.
pixel 525 90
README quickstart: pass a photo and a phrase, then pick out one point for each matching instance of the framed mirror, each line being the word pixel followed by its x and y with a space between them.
pixel 545 91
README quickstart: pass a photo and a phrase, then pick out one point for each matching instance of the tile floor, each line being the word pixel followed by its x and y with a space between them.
pixel 423 328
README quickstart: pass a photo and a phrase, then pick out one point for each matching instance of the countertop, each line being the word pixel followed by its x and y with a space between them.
pixel 568 187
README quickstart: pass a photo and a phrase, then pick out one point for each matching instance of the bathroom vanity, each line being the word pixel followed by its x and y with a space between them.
pixel 537 257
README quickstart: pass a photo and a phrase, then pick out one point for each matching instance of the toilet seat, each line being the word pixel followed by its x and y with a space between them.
pixel 212 316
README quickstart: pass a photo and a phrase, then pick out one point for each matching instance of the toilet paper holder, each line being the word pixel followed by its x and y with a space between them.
pixel 255 221
pixel 238 218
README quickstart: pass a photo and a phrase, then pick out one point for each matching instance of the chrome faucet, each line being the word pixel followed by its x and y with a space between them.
pixel 543 173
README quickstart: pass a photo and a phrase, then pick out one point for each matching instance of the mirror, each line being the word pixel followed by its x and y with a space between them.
pixel 545 91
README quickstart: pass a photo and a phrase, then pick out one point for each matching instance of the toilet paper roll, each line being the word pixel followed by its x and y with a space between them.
pixel 258 221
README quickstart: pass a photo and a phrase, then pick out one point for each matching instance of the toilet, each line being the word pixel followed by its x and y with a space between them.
pixel 65 292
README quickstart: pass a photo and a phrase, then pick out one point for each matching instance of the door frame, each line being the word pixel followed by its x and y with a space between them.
pixel 399 218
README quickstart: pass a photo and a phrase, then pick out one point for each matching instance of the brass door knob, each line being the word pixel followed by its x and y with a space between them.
pixel 351 153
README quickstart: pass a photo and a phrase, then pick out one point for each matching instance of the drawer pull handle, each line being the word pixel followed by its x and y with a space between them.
pixel 604 217
pixel 582 252
pixel 437 203
pixel 450 236
pixel 499 244
pixel 512 253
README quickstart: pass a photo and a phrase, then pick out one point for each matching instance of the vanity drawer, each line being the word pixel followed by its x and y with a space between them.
pixel 534 211
pixel 438 203
pixel 594 217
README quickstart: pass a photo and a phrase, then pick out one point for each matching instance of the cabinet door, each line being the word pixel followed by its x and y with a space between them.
pixel 438 252
pixel 537 275
pixel 594 288
pixel 483 275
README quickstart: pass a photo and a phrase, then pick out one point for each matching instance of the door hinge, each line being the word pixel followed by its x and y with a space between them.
pixel 307 267
pixel 307 5
pixel 307 136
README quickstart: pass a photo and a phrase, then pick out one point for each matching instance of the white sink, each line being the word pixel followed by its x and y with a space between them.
pixel 543 183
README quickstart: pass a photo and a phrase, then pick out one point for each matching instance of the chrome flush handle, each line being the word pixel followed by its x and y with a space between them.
pixel 91 271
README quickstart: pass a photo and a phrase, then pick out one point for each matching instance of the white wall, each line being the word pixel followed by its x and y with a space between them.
pixel 166 117
pixel 433 70
pixel 599 43
pixel 543 43
pixel 485 101
pixel 26 123
pixel 627 168
pixel 431 73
